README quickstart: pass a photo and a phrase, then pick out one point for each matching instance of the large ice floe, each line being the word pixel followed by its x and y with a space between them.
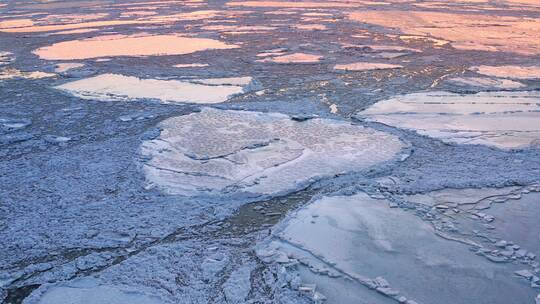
pixel 376 254
pixel 114 87
pixel 230 152
pixel 132 45
pixel 499 119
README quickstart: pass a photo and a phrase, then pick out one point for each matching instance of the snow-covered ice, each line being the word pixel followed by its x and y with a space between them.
pixel 260 153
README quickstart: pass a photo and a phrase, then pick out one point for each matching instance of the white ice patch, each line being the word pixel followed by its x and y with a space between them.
pixel 509 71
pixel 219 152
pixel 366 66
pixel 500 119
pixel 191 65
pixel 486 83
pixel 66 66
pixel 387 249
pixel 88 291
pixel 293 58
pixel 113 87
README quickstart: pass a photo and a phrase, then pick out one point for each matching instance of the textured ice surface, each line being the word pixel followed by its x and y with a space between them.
pixel 500 119
pixel 133 45
pixel 120 87
pixel 487 83
pixel 88 291
pixel 219 151
pixel 509 71
pixel 366 66
pixel 392 251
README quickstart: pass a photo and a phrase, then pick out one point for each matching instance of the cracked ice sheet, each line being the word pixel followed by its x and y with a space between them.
pixel 501 119
pixel 362 238
pixel 115 87
pixel 258 153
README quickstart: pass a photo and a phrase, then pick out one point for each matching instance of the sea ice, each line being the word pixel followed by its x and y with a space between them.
pixel 509 71
pixel 220 152
pixel 499 119
pixel 390 250
pixel 89 291
pixel 64 67
pixel 486 83
pixel 294 58
pixel 120 88
pixel 132 45
pixel 366 66
pixel 8 73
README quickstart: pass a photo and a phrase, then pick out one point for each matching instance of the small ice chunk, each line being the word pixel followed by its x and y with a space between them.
pixel 366 66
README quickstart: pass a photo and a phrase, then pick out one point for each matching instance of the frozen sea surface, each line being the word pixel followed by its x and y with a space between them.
pixel 269 152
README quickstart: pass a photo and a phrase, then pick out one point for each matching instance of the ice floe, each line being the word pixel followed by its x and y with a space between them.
pixel 294 58
pixel 366 66
pixel 115 87
pixel 491 33
pixel 191 65
pixel 128 45
pixel 499 119
pixel 388 250
pixel 486 83
pixel 257 153
pixel 509 71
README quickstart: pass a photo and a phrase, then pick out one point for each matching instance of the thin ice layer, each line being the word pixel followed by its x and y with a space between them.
pixel 499 119
pixel 217 151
